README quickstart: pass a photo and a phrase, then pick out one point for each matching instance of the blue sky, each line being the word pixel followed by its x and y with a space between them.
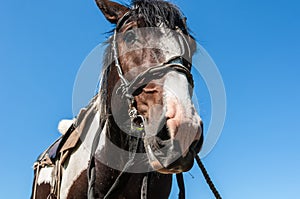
pixel 255 44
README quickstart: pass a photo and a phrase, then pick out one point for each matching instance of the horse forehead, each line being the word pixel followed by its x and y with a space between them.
pixel 162 38
pixel 156 40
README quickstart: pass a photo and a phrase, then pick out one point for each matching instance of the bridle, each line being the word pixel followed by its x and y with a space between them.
pixel 127 89
pixel 177 63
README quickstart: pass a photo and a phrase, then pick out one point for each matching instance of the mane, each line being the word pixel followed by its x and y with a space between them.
pixel 108 63
pixel 153 13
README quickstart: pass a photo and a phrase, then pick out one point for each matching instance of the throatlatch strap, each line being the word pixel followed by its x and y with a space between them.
pixel 91 168
pixel 91 179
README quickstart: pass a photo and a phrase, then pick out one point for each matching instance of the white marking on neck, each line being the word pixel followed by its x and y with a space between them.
pixel 79 159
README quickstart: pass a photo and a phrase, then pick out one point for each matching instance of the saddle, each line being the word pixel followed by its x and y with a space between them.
pixel 54 157
pixel 64 143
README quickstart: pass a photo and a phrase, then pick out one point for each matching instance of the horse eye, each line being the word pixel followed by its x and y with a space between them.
pixel 130 37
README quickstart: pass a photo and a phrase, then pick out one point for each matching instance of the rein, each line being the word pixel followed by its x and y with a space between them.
pixel 207 178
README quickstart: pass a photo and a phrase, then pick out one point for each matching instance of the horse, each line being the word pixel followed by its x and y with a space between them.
pixel 142 126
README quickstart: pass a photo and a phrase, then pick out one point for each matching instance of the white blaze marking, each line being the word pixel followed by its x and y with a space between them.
pixel 183 121
pixel 176 88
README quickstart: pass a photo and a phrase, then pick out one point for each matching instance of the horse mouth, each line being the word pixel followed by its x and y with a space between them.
pixel 166 155
pixel 181 164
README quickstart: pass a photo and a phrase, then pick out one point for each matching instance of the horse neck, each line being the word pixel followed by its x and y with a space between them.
pixel 97 129
pixel 95 136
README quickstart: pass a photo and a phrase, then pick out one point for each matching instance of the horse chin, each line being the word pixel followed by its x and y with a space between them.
pixel 167 165
pixel 182 164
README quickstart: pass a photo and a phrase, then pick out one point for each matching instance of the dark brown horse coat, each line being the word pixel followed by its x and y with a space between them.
pixel 151 67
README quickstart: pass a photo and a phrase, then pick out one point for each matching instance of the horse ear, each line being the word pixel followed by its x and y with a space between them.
pixel 112 11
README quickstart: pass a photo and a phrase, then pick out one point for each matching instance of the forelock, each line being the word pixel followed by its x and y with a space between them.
pixel 155 12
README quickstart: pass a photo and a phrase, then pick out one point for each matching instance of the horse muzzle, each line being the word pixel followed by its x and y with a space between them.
pixel 168 156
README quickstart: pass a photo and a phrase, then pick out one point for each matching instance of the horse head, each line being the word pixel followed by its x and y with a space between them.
pixel 150 77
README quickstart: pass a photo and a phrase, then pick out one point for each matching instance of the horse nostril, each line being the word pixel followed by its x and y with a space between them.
pixel 163 133
pixel 150 90
pixel 170 113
